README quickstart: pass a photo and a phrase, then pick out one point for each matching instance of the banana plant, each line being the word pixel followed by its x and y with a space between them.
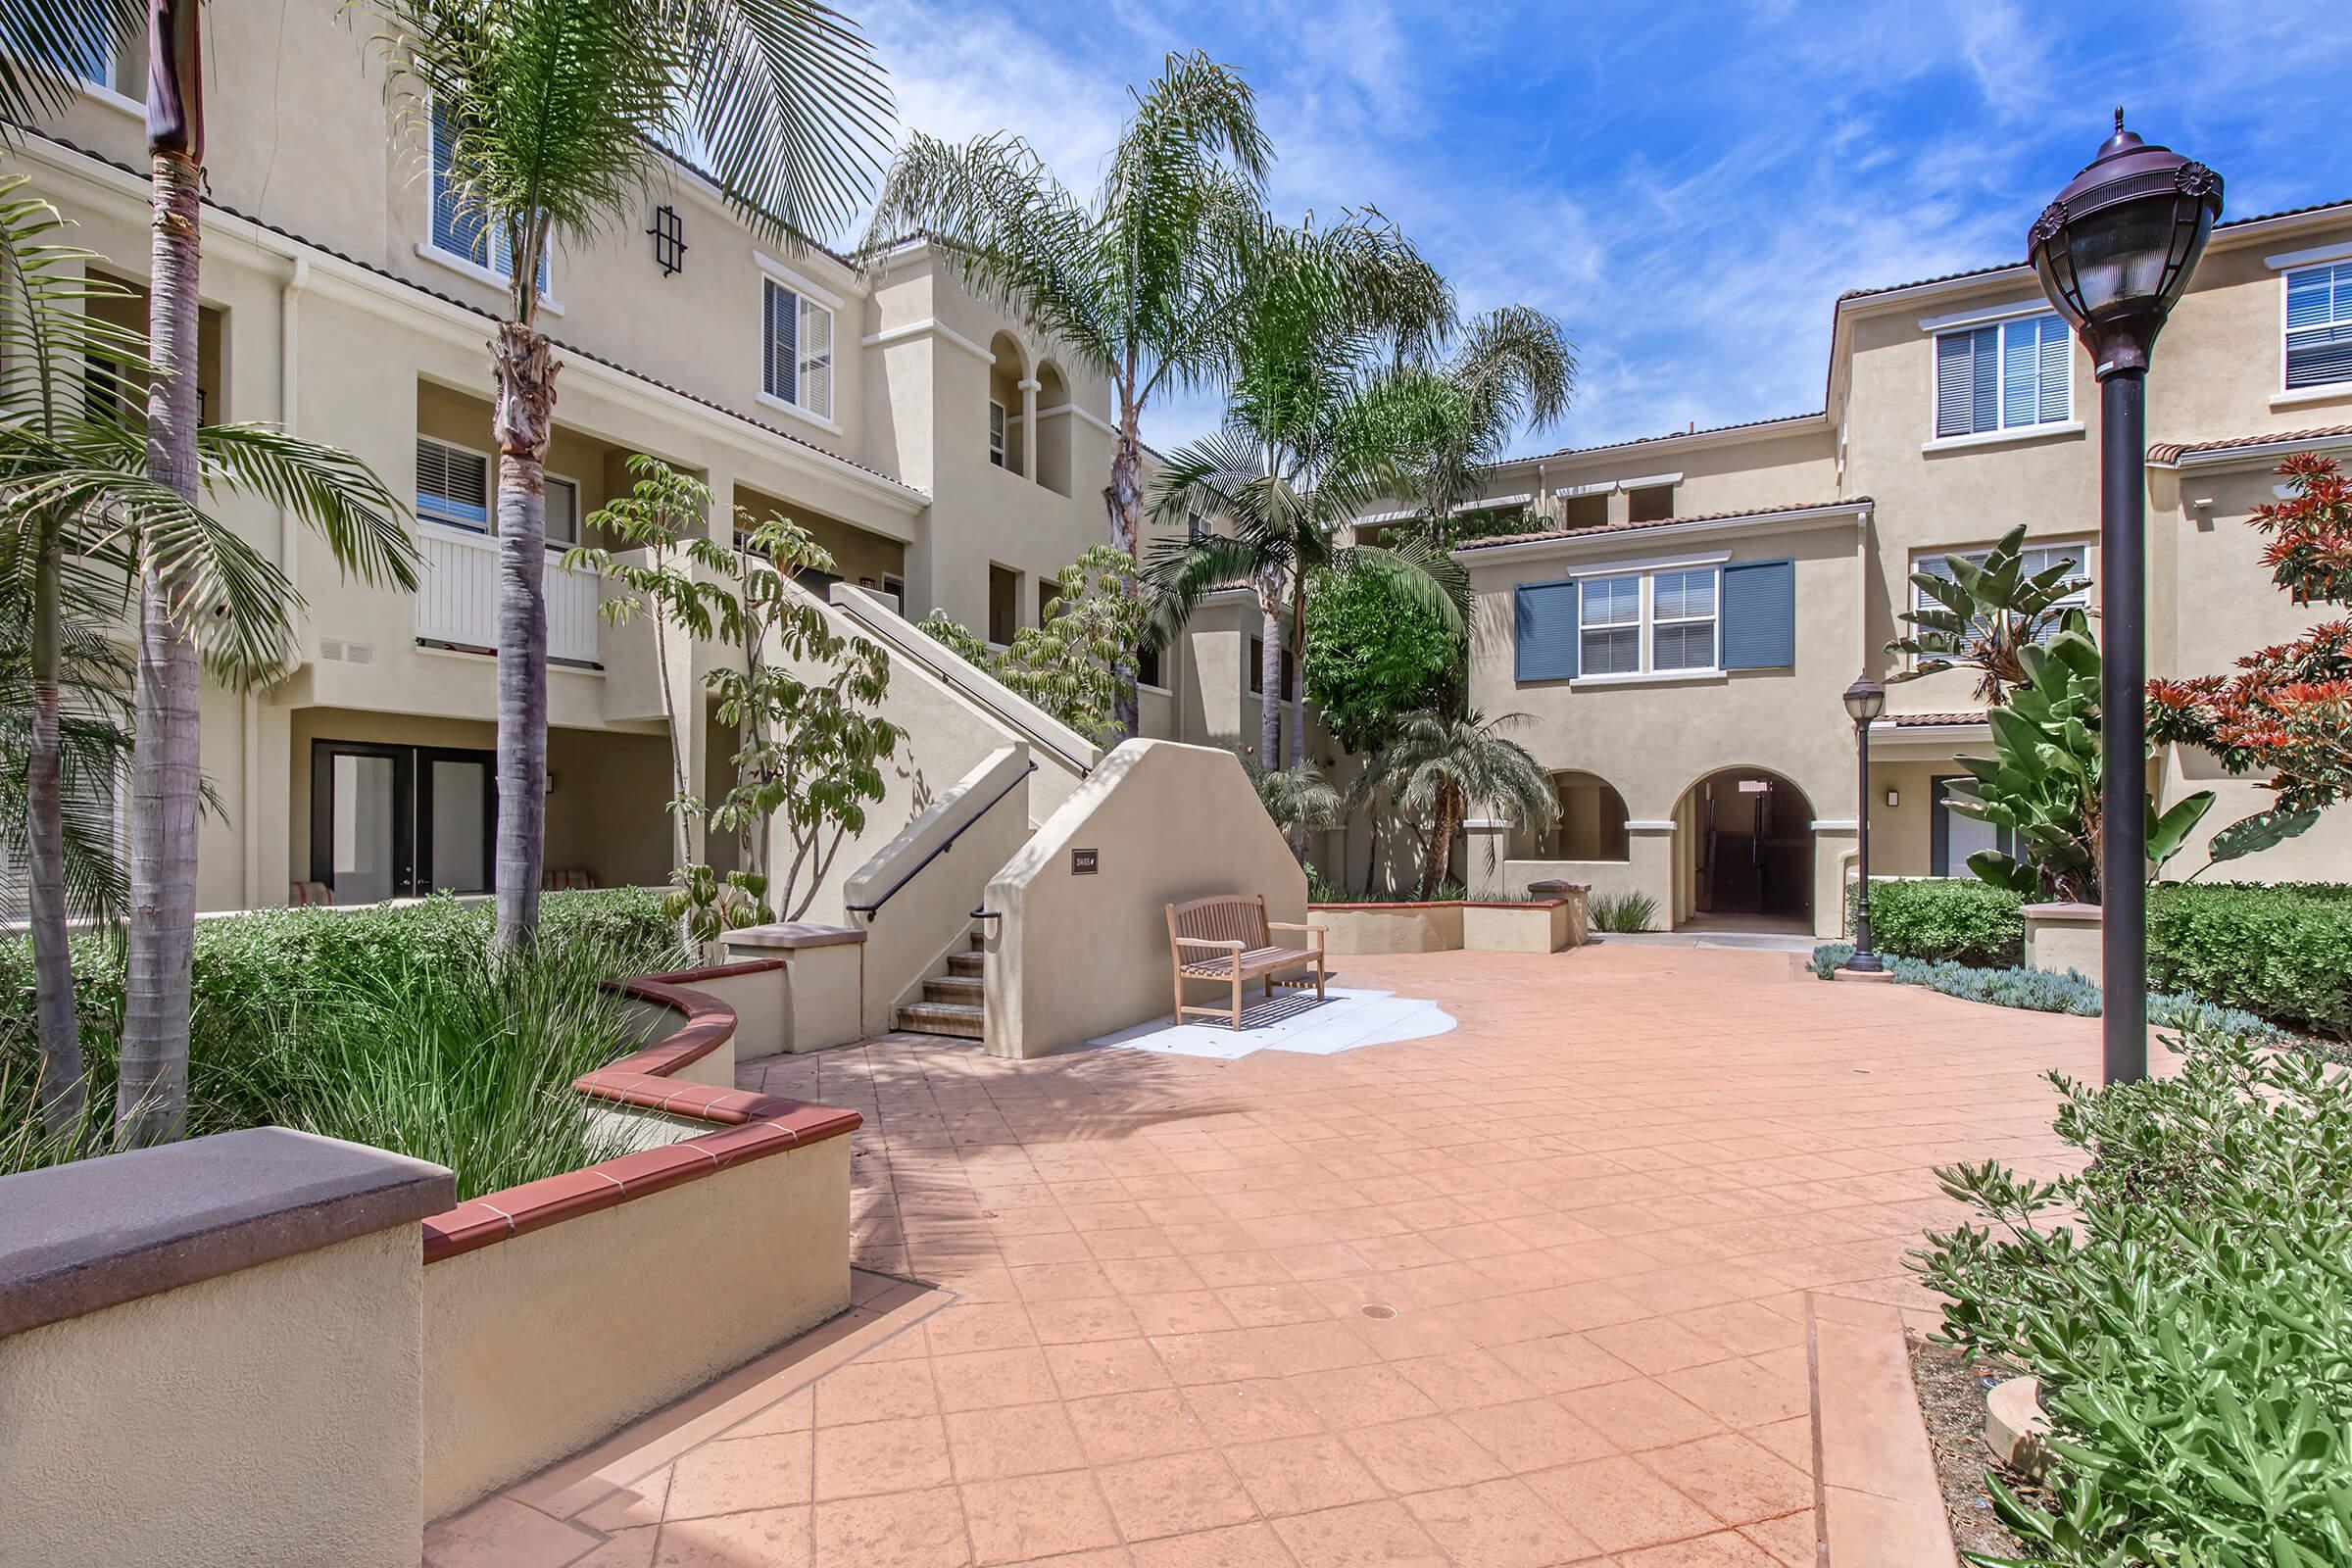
pixel 1984 615
pixel 2042 781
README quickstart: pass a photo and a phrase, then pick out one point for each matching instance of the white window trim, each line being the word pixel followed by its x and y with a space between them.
pixel 2293 261
pixel 2069 426
pixel 579 513
pixel 792 283
pixel 1646 624
pixel 467 265
pixel 2326 391
pixel 2000 438
pixel 1983 316
pixel 799 283
pixel 489 527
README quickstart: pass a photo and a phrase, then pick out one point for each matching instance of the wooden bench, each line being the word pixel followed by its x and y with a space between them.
pixel 1229 939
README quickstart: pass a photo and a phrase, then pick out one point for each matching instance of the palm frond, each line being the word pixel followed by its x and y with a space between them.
pixel 337 494
pixel 49 47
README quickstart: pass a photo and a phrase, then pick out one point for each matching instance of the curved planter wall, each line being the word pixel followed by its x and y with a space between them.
pixel 558 1311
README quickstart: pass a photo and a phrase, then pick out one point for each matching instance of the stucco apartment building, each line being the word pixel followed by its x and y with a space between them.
pixel 933 443
pixel 1677 616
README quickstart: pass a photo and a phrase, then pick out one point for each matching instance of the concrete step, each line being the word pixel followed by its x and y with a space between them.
pixel 966 963
pixel 963 1020
pixel 966 989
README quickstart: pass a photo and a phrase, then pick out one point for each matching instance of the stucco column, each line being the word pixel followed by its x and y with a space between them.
pixel 1029 429
pixel 1650 863
pixel 1621 505
pixel 1836 845
pixel 1488 852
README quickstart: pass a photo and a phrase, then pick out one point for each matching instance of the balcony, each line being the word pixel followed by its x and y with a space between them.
pixel 457 598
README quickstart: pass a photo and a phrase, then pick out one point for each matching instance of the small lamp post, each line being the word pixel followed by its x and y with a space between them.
pixel 1865 701
pixel 2114 253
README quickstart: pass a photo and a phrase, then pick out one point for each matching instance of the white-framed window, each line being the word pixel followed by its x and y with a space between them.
pixel 796 367
pixel 1681 619
pixel 1609 623
pixel 1195 527
pixel 2033 562
pixel 453 485
pixel 2009 375
pixel 562 512
pixel 457 230
pixel 2319 325
pixel 995 432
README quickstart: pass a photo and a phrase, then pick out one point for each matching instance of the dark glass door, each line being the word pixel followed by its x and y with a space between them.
pixel 395 822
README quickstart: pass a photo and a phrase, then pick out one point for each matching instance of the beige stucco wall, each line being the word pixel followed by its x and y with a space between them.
pixel 539 1346
pixel 2060 937
pixel 264 1416
pixel 1395 928
pixel 1080 955
pixel 1518 928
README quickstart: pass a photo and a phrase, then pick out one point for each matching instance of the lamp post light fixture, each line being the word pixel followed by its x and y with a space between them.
pixel 1865 701
pixel 2114 253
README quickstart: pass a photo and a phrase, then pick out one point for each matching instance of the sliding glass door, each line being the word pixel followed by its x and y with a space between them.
pixel 395 822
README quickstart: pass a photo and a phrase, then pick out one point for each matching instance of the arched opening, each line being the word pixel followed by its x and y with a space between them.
pixel 1005 378
pixel 1591 825
pixel 1743 851
pixel 1055 416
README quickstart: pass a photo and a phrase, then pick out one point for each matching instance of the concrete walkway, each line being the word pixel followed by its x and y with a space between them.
pixel 1531 1292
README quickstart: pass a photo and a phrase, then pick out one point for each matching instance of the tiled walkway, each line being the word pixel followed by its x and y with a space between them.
pixel 1529 1293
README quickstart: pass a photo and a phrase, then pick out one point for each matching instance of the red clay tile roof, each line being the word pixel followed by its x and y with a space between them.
pixel 1930 720
pixel 2167 453
pixel 2004 266
pixel 1853 504
pixel 1648 440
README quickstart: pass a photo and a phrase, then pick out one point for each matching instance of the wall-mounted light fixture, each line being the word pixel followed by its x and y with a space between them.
pixel 1894 798
pixel 670 240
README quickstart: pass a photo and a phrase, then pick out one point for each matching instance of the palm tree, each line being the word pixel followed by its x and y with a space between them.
pixel 1311 431
pixel 1444 763
pixel 1514 368
pixel 1138 283
pixel 556 114
pixel 1298 800
pixel 81 504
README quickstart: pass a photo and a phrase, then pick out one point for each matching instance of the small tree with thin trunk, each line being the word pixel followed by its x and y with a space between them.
pixel 555 114
pixel 1441 764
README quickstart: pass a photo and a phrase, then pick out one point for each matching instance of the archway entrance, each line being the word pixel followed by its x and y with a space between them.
pixel 1744 853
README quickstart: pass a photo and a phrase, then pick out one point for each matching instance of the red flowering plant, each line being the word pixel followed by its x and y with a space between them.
pixel 2287 712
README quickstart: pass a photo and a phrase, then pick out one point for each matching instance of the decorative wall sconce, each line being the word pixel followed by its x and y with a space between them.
pixel 1894 798
pixel 670 240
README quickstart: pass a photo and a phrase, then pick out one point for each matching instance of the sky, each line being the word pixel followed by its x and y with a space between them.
pixel 1686 187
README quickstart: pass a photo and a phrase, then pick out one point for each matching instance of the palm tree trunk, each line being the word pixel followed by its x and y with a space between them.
pixel 525 370
pixel 1298 668
pixel 1439 859
pixel 151 1096
pixel 1123 498
pixel 64 1091
pixel 1269 684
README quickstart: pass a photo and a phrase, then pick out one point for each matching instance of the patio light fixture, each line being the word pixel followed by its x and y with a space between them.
pixel 2114 253
pixel 1865 700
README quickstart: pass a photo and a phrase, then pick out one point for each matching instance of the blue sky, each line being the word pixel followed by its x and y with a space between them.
pixel 1686 187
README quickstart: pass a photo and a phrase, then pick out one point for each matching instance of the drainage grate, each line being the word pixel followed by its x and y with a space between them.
pixel 1377 1310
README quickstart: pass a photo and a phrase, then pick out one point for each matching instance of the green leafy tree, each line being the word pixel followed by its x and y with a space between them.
pixel 1374 654
pixel 2042 781
pixel 1986 614
pixel 1077 662
pixel 1443 764
pixel 84 518
pixel 555 113
pixel 1138 283
pixel 1297 800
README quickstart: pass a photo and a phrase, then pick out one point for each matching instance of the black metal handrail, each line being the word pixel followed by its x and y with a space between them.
pixel 869 911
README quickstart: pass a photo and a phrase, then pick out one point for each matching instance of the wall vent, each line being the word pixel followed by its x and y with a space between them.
pixel 344 653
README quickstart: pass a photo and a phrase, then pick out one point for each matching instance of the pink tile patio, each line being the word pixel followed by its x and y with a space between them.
pixel 1529 1293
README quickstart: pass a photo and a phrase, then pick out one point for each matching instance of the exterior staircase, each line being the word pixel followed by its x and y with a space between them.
pixel 952 1002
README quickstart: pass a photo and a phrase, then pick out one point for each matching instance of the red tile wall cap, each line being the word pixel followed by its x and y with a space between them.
pixel 745 1126
pixel 716 971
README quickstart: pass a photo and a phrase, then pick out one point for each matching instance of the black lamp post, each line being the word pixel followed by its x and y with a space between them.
pixel 2115 252
pixel 1865 701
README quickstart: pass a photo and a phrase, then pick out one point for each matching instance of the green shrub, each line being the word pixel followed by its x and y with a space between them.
pixel 1959 919
pixel 273 985
pixel 2282 953
pixel 1622 911
pixel 2185 1301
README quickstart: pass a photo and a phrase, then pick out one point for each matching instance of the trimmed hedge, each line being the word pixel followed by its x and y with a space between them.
pixel 1956 919
pixel 2282 952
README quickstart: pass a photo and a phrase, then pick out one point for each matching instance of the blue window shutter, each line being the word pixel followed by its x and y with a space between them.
pixel 1544 630
pixel 1759 615
pixel 458 228
pixel 783 342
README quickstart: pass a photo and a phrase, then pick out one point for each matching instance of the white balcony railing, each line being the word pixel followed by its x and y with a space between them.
pixel 457 598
